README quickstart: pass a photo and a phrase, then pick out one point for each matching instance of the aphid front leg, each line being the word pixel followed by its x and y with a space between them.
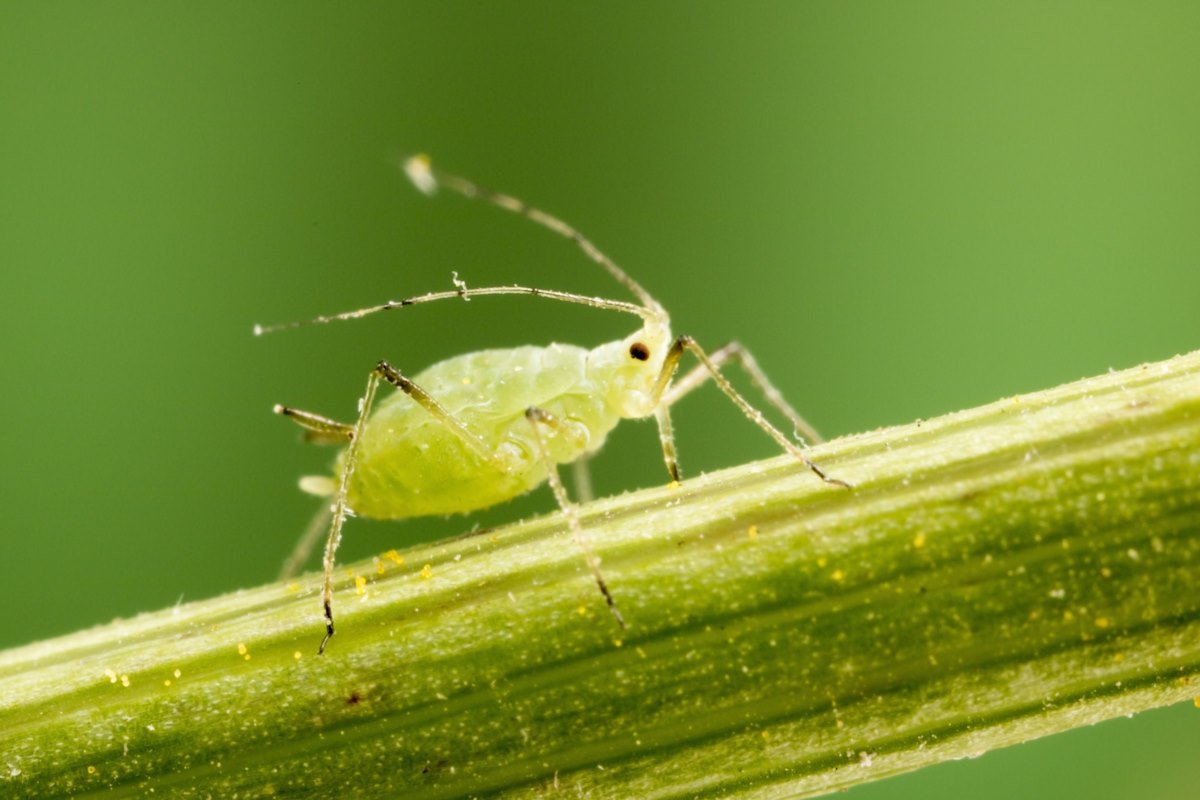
pixel 538 418
pixel 686 343
pixel 736 351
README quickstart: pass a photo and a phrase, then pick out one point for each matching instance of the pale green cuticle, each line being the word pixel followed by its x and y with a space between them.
pixel 996 575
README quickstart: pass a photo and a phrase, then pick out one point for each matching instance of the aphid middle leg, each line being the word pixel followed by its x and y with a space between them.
pixel 537 417
pixel 736 351
pixel 686 343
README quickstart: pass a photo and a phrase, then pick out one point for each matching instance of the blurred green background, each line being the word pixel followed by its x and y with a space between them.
pixel 902 209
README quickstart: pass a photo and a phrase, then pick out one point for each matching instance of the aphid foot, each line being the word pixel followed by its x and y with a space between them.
pixel 328 629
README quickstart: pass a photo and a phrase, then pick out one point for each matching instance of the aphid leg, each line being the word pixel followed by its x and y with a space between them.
pixel 308 540
pixel 686 343
pixel 384 371
pixel 537 417
pixel 666 436
pixel 439 412
pixel 339 503
pixel 581 479
pixel 318 429
pixel 734 350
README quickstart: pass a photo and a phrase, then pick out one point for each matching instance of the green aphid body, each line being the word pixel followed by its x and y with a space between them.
pixel 476 430
pixel 410 464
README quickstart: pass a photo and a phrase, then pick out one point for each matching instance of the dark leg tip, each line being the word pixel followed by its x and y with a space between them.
pixel 328 629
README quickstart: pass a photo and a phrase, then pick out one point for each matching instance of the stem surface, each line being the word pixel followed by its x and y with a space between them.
pixel 994 575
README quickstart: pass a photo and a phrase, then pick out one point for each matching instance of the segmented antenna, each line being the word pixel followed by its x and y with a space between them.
pixel 425 177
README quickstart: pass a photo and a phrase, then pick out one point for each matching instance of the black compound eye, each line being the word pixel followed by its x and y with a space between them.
pixel 639 351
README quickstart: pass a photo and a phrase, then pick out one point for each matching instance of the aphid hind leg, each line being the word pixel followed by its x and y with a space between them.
pixel 339 504
pixel 383 371
pixel 735 351
pixel 684 344
pixel 318 429
pixel 436 409
pixel 537 418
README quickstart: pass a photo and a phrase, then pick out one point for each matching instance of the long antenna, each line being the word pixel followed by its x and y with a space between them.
pixel 427 178
pixel 464 293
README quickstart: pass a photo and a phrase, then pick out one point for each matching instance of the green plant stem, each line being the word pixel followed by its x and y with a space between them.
pixel 995 575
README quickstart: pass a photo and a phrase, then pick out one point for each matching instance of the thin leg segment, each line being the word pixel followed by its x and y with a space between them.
pixel 308 540
pixel 687 344
pixel 318 429
pixel 735 351
pixel 436 409
pixel 339 503
pixel 581 479
pixel 537 418
pixel 382 371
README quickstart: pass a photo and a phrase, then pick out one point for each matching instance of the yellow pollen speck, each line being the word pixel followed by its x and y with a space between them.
pixel 167 682
pixel 91 770
pixel 379 567
pixel 125 680
pixel 292 587
pixel 752 532
pixel 766 734
pixel 838 575
pixel 582 611
pixel 394 557
pixel 1068 616
pixel 1106 572
pixel 1102 622
pixel 297 655
pixel 360 585
pixel 618 642
pixel 822 561
pixel 177 674
pixel 466 381
pixel 919 540
pixel 426 572
pixel 112 676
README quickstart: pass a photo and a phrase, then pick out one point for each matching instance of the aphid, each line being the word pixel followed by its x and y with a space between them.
pixel 484 427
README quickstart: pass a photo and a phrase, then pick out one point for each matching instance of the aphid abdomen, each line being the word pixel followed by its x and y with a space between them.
pixel 410 464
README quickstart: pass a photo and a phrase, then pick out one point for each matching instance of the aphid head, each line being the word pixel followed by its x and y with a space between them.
pixel 627 370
